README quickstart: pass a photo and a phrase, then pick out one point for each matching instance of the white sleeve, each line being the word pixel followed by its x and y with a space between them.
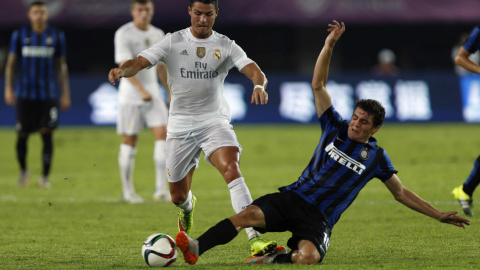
pixel 239 57
pixel 158 52
pixel 122 50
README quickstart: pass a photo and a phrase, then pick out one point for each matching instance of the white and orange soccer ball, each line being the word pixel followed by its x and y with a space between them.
pixel 158 250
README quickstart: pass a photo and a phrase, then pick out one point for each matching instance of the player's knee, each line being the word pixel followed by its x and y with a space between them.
pixel 250 217
pixel 23 135
pixel 232 171
pixel 130 140
pixel 44 131
pixel 178 197
pixel 308 258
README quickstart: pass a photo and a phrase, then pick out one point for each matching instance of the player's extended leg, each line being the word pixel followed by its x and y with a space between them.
pixel 464 193
pixel 126 163
pixel 182 197
pixel 21 149
pixel 226 160
pixel 161 194
pixel 47 154
pixel 220 234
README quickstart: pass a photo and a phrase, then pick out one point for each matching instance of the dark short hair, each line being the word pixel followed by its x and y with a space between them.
pixel 37 3
pixel 374 108
pixel 141 2
pixel 214 2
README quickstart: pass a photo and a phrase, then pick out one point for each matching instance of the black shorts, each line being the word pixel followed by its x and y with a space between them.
pixel 32 115
pixel 287 211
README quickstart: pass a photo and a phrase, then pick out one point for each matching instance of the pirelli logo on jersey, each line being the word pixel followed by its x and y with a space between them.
pixel 343 159
pixel 38 51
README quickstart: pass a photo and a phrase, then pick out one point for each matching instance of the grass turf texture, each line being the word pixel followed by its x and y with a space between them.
pixel 81 223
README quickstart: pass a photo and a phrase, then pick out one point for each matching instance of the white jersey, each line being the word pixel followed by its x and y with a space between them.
pixel 196 72
pixel 130 41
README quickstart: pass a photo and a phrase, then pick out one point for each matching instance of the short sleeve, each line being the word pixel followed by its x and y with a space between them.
pixel 14 43
pixel 61 46
pixel 331 120
pixel 473 42
pixel 239 57
pixel 386 170
pixel 158 52
pixel 122 49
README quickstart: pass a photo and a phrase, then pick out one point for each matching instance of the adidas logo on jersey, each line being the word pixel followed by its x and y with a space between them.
pixel 184 52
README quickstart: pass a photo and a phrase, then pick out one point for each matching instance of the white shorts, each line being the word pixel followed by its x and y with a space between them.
pixel 183 151
pixel 132 117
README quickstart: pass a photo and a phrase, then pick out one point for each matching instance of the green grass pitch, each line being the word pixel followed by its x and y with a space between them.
pixel 81 223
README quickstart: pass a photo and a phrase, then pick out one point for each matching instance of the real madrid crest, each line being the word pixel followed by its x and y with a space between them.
pixel 217 54
pixel 201 52
pixel 364 153
pixel 147 42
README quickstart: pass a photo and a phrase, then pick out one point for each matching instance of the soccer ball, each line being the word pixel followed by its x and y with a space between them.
pixel 159 250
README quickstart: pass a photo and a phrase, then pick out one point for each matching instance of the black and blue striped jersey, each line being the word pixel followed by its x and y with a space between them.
pixel 473 42
pixel 339 168
pixel 36 55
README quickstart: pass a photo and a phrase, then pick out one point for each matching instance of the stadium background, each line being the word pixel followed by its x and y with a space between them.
pixel 284 38
pixel 82 223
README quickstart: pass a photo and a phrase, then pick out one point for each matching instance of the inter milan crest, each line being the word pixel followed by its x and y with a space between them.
pixel 364 153
pixel 201 52
pixel 217 54
pixel 147 42
pixel 49 40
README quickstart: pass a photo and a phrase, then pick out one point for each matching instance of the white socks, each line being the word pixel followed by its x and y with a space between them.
pixel 241 198
pixel 187 205
pixel 160 158
pixel 126 162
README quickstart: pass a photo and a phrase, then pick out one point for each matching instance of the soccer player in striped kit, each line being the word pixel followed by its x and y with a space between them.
pixel 40 51
pixel 464 192
pixel 345 160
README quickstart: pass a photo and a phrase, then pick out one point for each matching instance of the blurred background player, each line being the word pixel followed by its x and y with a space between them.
pixel 464 193
pixel 40 51
pixel 345 160
pixel 140 102
pixel 198 60
pixel 386 64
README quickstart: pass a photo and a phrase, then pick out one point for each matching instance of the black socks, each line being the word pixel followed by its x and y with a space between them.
pixel 219 234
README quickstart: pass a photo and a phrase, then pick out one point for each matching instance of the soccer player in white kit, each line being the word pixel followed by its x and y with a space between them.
pixel 198 60
pixel 140 102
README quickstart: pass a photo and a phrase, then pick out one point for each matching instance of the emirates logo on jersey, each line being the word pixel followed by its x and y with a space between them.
pixel 217 54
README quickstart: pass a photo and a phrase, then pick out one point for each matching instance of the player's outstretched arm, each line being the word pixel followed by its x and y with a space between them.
pixel 259 80
pixel 461 59
pixel 128 69
pixel 320 74
pixel 413 201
